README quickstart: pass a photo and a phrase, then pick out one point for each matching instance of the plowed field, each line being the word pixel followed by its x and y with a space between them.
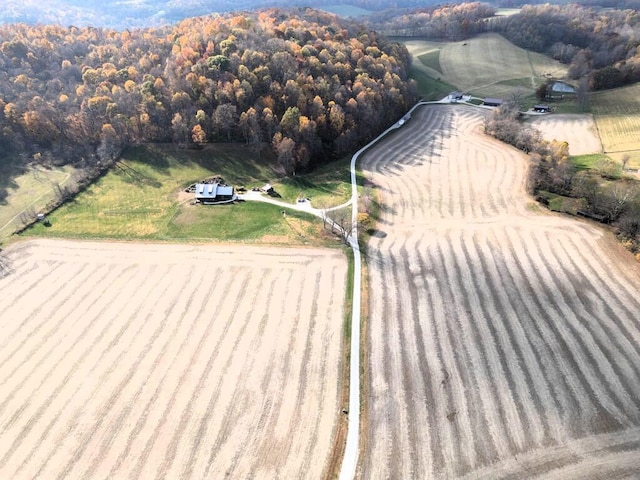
pixel 160 361
pixel 503 341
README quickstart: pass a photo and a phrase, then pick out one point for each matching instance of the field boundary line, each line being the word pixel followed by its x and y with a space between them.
pixel 352 449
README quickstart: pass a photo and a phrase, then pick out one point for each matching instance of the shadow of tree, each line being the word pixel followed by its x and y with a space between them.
pixel 8 174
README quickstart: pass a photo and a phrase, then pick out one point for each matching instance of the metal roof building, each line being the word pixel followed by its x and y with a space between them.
pixel 213 192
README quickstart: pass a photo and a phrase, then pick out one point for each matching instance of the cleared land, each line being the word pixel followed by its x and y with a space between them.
pixel 143 197
pixel 486 65
pixel 29 191
pixel 159 361
pixel 579 130
pixel 502 343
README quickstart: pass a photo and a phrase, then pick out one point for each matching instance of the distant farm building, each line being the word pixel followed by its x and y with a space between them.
pixel 562 87
pixel 542 108
pixel 210 193
pixel 492 102
pixel 455 96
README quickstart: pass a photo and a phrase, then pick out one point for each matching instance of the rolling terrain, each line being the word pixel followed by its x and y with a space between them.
pixel 485 65
pixel 503 341
pixel 166 361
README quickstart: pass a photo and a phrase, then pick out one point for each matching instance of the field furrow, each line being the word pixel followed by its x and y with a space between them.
pixel 508 340
pixel 161 361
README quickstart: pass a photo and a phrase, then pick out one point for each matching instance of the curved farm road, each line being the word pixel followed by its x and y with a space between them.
pixel 502 342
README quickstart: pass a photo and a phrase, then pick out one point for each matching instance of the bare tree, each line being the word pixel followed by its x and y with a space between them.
pixel 625 160
pixel 582 93
pixel 225 119
pixel 617 197
pixel 517 98
pixel 341 220
pixel 4 269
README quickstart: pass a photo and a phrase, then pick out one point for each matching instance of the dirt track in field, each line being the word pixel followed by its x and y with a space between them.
pixel 503 341
pixel 159 361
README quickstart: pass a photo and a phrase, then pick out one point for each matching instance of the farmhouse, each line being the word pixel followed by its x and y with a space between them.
pixel 209 193
pixel 492 102
pixel 455 96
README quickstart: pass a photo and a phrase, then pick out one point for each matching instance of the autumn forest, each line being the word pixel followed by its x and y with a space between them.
pixel 311 85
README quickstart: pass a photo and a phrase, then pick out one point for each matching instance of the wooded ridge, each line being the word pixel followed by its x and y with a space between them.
pixel 309 83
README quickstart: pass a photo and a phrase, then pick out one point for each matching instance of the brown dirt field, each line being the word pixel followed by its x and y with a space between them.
pixel 502 343
pixel 579 130
pixel 136 361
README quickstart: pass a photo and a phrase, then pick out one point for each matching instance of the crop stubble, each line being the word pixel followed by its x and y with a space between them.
pixel 158 361
pixel 502 343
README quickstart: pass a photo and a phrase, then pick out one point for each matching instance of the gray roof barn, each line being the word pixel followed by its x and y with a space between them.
pixel 213 192
pixel 562 87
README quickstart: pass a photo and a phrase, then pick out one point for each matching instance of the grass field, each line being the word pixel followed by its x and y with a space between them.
pixel 617 115
pixel 431 60
pixel 429 87
pixel 486 65
pixel 143 198
pixel 30 191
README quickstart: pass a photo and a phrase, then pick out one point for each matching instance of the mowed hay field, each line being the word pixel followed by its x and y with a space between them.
pixel 503 341
pixel 617 114
pixel 485 65
pixel 151 361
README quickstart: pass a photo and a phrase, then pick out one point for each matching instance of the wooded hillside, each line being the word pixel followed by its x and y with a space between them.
pixel 600 45
pixel 310 84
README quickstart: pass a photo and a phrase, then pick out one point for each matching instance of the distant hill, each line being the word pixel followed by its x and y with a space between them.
pixel 152 13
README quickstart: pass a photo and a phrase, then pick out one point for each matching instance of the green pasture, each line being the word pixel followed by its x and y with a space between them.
pixel 617 116
pixel 431 60
pixel 327 186
pixel 560 203
pixel 588 162
pixel 143 197
pixel 27 191
pixel 485 65
pixel 430 88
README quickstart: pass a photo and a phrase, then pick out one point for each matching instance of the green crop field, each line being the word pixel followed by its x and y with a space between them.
pixel 143 197
pixel 617 115
pixel 485 65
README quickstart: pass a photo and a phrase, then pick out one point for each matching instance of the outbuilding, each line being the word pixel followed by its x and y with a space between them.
pixel 542 108
pixel 562 87
pixel 492 102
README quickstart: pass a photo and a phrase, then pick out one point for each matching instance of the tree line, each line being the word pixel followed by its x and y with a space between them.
pixel 309 84
pixel 442 22
pixel 605 194
pixel 600 45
